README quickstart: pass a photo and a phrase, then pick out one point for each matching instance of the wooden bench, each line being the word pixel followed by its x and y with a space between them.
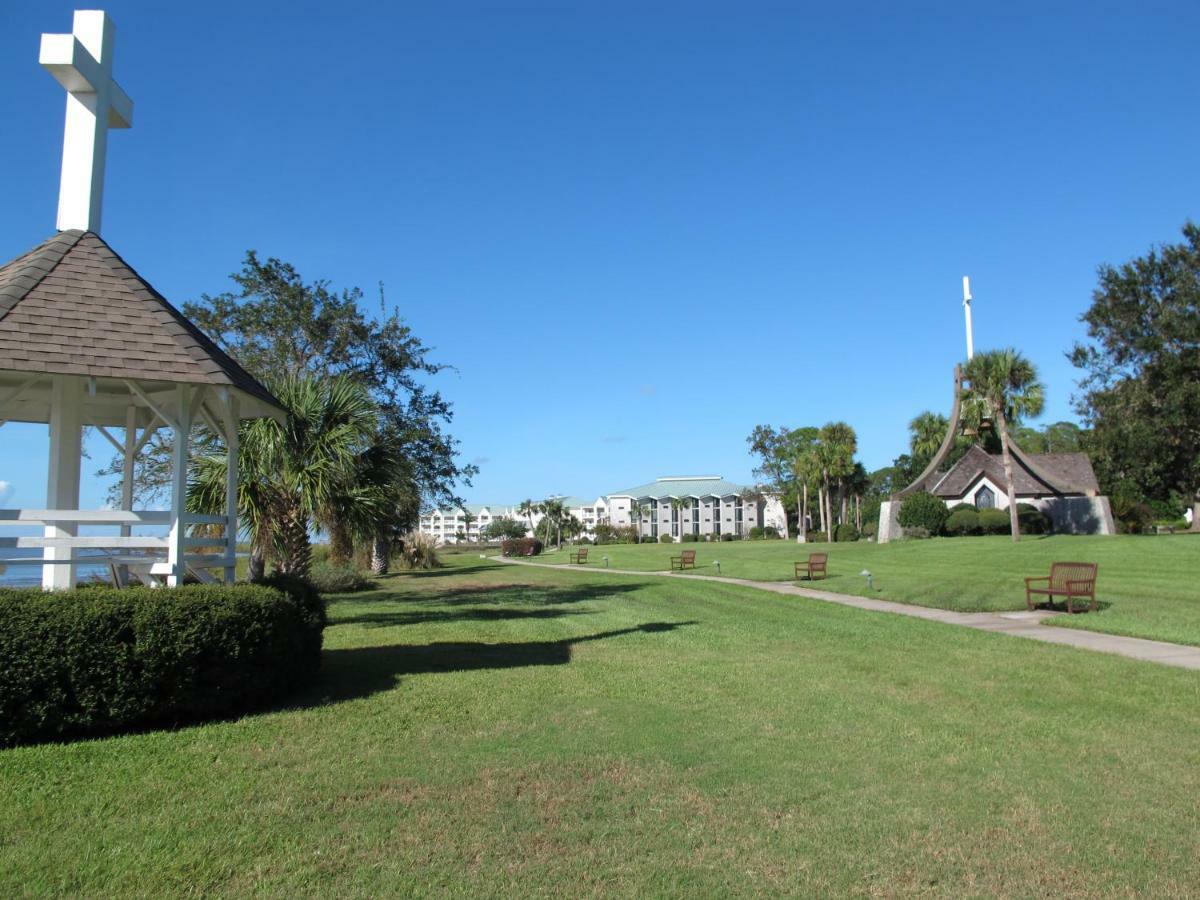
pixel 816 563
pixel 685 560
pixel 579 557
pixel 1073 580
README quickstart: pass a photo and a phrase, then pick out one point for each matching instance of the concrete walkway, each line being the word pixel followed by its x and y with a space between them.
pixel 1017 624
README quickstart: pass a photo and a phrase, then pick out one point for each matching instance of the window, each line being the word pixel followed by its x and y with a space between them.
pixel 985 498
pixel 737 516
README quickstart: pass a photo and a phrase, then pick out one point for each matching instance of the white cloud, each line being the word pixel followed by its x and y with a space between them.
pixel 6 490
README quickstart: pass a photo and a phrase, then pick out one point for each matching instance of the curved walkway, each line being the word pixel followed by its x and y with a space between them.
pixel 1017 624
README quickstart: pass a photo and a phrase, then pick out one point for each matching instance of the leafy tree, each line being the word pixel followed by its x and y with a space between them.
pixel 1141 365
pixel 278 326
pixel 504 527
pixel 785 464
pixel 289 472
pixel 1004 383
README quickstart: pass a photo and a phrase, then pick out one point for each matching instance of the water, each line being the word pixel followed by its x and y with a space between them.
pixel 24 575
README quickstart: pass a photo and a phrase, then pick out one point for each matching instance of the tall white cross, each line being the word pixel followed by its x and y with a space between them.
pixel 967 309
pixel 82 62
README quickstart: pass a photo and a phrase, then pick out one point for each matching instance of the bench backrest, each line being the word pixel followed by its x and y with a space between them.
pixel 582 551
pixel 689 556
pixel 818 559
pixel 1062 572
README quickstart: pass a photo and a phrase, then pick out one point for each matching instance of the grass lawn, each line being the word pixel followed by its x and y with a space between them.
pixel 1147 586
pixel 487 730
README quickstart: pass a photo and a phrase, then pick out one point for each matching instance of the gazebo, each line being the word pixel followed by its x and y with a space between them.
pixel 85 341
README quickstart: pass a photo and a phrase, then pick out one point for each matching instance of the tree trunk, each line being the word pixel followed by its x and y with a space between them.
pixel 295 550
pixel 1006 455
pixel 341 545
pixel 858 512
pixel 827 513
pixel 381 554
pixel 258 564
pixel 799 519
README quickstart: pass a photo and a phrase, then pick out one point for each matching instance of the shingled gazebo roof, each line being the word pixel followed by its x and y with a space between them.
pixel 72 306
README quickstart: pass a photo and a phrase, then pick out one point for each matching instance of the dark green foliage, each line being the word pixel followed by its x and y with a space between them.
pixel 923 510
pixel 815 537
pixel 845 532
pixel 993 521
pixel 1132 516
pixel 729 536
pixel 328 578
pixel 962 521
pixel 691 538
pixel 768 533
pixel 665 539
pixel 916 533
pixel 501 528
pixel 615 534
pixel 97 660
pixel 871 526
pixel 1142 374
pixel 521 547
pixel 1032 520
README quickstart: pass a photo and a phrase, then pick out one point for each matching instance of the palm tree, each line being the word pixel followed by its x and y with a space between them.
pixel 290 471
pixel 836 446
pixel 554 513
pixel 679 505
pixel 527 509
pixel 1005 384
pixel 927 431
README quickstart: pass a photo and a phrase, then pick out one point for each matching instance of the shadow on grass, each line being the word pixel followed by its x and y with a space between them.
pixel 505 601
pixel 352 673
pixel 473 614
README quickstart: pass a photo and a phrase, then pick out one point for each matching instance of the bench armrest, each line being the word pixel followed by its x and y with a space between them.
pixel 1029 581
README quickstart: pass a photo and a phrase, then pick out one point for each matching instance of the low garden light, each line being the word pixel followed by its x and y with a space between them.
pixel 866 573
pixel 718 565
pixel 605 558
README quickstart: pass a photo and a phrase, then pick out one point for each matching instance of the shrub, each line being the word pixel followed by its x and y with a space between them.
pixel 98 660
pixel 815 537
pixel 526 546
pixel 771 533
pixel 870 528
pixel 1032 520
pixel 994 521
pixel 923 510
pixel 756 533
pixel 666 539
pixel 330 579
pixel 419 551
pixel 915 533
pixel 845 532
pixel 690 538
pixel 728 536
pixel 963 521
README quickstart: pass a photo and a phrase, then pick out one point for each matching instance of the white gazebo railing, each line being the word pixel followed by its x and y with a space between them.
pixel 154 559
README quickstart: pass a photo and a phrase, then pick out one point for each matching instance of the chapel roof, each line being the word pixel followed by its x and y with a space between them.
pixel 1034 474
pixel 72 306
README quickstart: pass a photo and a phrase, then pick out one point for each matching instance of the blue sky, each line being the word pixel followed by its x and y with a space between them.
pixel 638 230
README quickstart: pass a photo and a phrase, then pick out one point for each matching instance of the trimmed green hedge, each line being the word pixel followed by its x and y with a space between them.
pixel 923 510
pixel 97 660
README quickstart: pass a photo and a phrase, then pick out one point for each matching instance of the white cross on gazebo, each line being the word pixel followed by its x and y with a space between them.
pixel 83 62
pixel 85 341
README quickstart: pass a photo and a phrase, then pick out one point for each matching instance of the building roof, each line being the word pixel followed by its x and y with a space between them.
pixel 72 306
pixel 1034 474
pixel 684 486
